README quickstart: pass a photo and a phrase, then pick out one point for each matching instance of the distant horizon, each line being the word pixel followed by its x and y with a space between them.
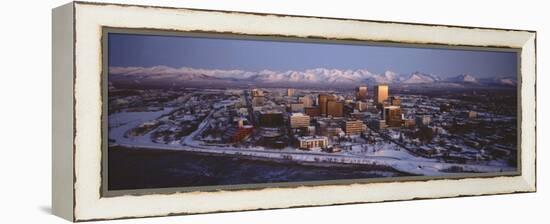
pixel 136 50
pixel 282 71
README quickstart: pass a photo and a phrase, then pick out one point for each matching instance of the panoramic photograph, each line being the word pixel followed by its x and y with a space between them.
pixel 198 111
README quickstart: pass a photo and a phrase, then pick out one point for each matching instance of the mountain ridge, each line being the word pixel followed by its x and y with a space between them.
pixel 315 76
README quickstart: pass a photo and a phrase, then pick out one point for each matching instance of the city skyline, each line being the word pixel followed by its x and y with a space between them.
pixel 131 50
pixel 232 127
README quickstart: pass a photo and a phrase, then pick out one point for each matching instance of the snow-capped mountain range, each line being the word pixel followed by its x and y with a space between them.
pixel 317 76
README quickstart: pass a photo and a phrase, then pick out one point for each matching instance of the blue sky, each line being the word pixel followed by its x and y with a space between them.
pixel 254 55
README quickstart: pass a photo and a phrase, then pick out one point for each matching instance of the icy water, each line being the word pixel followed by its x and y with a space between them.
pixel 144 169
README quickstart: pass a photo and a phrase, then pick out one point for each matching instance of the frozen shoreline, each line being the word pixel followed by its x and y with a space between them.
pixel 423 168
pixel 319 164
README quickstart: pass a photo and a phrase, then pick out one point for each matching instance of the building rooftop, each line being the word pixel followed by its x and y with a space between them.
pixel 311 137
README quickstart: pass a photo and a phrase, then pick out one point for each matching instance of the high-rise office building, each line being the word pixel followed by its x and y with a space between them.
pixel 299 120
pixel 392 115
pixel 323 100
pixel 271 119
pixel 380 93
pixel 290 92
pixel 297 107
pixel 312 111
pixel 353 127
pixel 335 108
pixel 306 100
pixel 362 92
pixel 257 97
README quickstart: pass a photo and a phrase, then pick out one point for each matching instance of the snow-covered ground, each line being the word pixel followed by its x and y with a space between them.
pixel 386 154
pixel 121 123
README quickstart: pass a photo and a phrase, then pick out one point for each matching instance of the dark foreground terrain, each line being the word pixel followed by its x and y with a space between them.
pixel 145 169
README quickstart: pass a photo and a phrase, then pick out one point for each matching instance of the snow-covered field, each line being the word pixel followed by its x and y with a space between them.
pixel 121 123
pixel 386 154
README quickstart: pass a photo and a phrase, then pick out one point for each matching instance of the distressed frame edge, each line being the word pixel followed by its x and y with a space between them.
pixel 529 74
pixel 531 183
pixel 298 16
pixel 62 77
pixel 302 206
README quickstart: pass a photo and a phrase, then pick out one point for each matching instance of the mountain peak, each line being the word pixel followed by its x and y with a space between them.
pixel 420 78
pixel 464 78
pixel 309 77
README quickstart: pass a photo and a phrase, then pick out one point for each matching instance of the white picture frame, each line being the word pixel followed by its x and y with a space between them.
pixel 77 110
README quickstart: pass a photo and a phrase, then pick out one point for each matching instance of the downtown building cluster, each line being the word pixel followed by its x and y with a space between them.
pixel 319 120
